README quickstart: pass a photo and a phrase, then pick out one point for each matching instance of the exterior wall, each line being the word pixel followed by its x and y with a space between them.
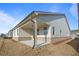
pixel 15 36
pixel 41 31
pixel 59 22
pixel 61 28
pixel 24 35
pixel 49 34
pixel 20 34
pixel 43 36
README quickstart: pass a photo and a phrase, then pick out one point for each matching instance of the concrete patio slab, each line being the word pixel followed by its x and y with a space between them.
pixel 31 42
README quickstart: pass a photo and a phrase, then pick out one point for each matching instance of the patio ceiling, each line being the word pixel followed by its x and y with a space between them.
pixel 29 25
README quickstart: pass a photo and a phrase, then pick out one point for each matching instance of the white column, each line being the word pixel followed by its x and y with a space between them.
pixel 15 34
pixel 35 30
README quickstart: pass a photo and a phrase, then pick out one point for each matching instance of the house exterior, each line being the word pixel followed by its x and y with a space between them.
pixel 10 33
pixel 41 25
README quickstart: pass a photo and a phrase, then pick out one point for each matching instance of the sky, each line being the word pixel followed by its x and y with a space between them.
pixel 12 13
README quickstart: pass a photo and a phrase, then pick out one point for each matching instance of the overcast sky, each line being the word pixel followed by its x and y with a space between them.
pixel 12 14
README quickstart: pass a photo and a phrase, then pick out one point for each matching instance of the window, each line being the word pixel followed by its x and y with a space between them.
pixel 37 31
pixel 53 30
pixel 45 30
pixel 60 32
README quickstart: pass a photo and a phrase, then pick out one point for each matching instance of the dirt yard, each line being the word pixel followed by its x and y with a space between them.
pixel 9 47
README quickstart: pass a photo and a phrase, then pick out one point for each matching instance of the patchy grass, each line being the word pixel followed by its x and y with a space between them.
pixel 12 48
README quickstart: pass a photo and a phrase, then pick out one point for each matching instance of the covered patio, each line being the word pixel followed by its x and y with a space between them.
pixel 36 31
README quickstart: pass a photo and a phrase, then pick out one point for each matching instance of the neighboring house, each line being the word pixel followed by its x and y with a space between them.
pixel 75 34
pixel 41 25
pixel 2 35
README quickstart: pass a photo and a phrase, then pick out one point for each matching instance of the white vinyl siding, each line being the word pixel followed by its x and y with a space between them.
pixel 59 23
pixel 61 28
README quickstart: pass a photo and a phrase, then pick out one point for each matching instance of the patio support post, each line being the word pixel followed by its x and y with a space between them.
pixel 35 33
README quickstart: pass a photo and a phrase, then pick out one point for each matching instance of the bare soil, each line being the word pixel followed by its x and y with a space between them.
pixel 8 47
